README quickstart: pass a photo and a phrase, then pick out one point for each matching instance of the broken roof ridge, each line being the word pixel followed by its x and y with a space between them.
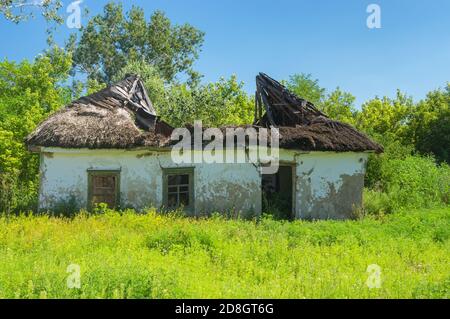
pixel 129 93
pixel 122 116
pixel 283 107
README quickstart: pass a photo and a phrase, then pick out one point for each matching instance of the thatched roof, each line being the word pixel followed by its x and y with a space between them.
pixel 323 134
pixel 93 127
pixel 302 126
pixel 119 116
pixel 122 116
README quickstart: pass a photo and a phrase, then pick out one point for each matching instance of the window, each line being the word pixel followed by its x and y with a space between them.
pixel 103 187
pixel 179 188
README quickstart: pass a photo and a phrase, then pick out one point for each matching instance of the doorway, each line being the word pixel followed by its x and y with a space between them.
pixel 278 192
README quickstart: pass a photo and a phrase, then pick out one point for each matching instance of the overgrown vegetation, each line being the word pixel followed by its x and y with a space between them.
pixel 413 171
pixel 127 255
pixel 408 182
pixel 405 229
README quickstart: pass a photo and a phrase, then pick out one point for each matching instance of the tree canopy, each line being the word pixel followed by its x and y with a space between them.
pixel 219 103
pixel 29 92
pixel 113 38
pixel 20 10
pixel 338 105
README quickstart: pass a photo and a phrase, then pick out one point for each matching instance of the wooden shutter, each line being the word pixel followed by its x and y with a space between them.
pixel 103 188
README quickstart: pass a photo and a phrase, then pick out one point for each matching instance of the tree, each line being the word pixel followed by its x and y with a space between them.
pixel 429 127
pixel 112 39
pixel 338 105
pixel 385 116
pixel 305 87
pixel 29 91
pixel 219 103
pixel 216 104
pixel 21 10
pixel 153 81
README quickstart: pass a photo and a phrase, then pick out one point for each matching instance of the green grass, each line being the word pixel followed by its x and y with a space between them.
pixel 152 256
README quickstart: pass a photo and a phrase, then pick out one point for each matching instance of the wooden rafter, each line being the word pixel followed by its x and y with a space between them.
pixel 282 107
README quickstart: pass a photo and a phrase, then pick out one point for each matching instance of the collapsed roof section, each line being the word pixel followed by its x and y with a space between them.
pixel 129 93
pixel 301 124
pixel 122 116
pixel 282 108
pixel 119 116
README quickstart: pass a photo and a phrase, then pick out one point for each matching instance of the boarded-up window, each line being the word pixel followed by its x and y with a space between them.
pixel 179 188
pixel 103 188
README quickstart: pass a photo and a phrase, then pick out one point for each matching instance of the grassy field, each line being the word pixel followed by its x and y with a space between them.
pixel 152 256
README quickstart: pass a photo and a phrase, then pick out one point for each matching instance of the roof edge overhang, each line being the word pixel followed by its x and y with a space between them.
pixel 165 149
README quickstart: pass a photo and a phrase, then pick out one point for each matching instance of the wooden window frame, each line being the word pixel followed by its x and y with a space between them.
pixel 179 171
pixel 97 172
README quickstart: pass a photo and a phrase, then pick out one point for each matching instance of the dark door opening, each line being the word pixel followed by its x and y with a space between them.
pixel 277 193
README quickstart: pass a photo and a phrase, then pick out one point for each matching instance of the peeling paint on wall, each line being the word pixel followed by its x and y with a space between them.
pixel 235 188
pixel 327 184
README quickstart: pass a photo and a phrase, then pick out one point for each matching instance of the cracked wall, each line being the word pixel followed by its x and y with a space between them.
pixel 329 185
pixel 234 188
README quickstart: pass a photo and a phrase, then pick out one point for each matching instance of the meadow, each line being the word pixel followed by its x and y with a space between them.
pixel 130 255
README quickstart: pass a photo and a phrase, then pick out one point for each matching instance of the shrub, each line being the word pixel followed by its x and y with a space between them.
pixel 415 182
pixel 376 203
pixel 393 149
pixel 411 182
pixel 17 196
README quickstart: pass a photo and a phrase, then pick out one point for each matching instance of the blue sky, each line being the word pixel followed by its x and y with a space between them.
pixel 328 39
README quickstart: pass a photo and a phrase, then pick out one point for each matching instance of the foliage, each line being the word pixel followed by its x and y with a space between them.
pixel 429 128
pixel 154 83
pixel 416 182
pixel 113 38
pixel 408 182
pixel 304 86
pixel 173 257
pixel 338 105
pixel 393 149
pixel 29 91
pixel 385 116
pixel 20 10
pixel 216 104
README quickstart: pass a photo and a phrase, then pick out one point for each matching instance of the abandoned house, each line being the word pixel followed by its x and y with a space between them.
pixel 111 147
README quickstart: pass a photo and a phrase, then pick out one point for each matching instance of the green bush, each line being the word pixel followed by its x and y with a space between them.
pixel 17 196
pixel 416 182
pixel 376 202
pixel 411 182
pixel 393 149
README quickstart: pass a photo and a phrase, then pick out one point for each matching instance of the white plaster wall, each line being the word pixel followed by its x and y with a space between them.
pixel 217 187
pixel 233 188
pixel 327 184
pixel 64 174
